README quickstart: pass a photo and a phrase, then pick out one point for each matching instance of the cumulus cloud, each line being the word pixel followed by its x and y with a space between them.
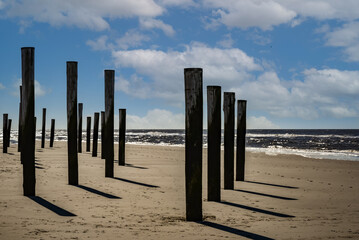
pixel 39 89
pixel 266 14
pixel 247 13
pixel 260 123
pixel 165 69
pixel 177 3
pixel 346 36
pixel 326 92
pixel 132 38
pixel 150 23
pixel 100 44
pixel 90 14
pixel 156 119
pixel 2 86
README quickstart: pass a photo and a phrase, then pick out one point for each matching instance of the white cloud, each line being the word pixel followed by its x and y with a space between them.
pixel 132 38
pixel 247 13
pixel 346 36
pixel 327 92
pixel 134 87
pixel 150 23
pixel 260 123
pixel 339 111
pixel 165 69
pixel 177 3
pixel 266 14
pixel 156 119
pixel 2 86
pixel 226 42
pixel 39 89
pixel 99 44
pixel 89 14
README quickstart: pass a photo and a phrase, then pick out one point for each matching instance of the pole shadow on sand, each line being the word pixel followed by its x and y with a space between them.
pixel 92 190
pixel 270 184
pixel 265 194
pixel 134 182
pixel 254 209
pixel 59 211
pixel 235 231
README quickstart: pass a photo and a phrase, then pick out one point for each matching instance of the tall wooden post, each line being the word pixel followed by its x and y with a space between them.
pixel 8 132
pixel 228 108
pixel 121 137
pixel 52 133
pixel 43 133
pixel 193 147
pixel 4 133
pixel 79 129
pixel 88 134
pixel 28 121
pixel 72 123
pixel 35 130
pixel 241 139
pixel 109 122
pixel 214 143
pixel 19 127
pixel 102 134
pixel 95 134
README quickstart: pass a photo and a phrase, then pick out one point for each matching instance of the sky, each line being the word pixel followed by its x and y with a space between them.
pixel 296 62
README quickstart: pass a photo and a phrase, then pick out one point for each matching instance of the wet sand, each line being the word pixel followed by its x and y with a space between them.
pixel 283 197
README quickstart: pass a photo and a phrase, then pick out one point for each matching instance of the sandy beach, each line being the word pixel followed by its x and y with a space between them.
pixel 284 197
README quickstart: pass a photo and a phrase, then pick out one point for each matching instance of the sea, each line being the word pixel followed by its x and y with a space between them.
pixel 336 144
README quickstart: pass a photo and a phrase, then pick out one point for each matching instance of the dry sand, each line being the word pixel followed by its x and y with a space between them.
pixel 285 197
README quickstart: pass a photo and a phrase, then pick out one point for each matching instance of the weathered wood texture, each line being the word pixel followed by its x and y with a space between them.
pixel 72 123
pixel 79 129
pixel 109 122
pixel 95 134
pixel 19 124
pixel 241 139
pixel 228 109
pixel 88 134
pixel 193 146
pixel 43 132
pixel 28 126
pixel 8 132
pixel 102 134
pixel 121 137
pixel 4 132
pixel 52 133
pixel 214 143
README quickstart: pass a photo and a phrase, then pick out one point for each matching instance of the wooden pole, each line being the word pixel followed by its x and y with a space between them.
pixel 193 145
pixel 95 134
pixel 214 143
pixel 102 134
pixel 109 122
pixel 72 123
pixel 88 134
pixel 121 137
pixel 228 108
pixel 4 133
pixel 43 133
pixel 19 127
pixel 241 139
pixel 35 130
pixel 28 120
pixel 8 132
pixel 79 129
pixel 52 133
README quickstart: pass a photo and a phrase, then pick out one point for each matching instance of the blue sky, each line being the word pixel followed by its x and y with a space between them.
pixel 295 62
